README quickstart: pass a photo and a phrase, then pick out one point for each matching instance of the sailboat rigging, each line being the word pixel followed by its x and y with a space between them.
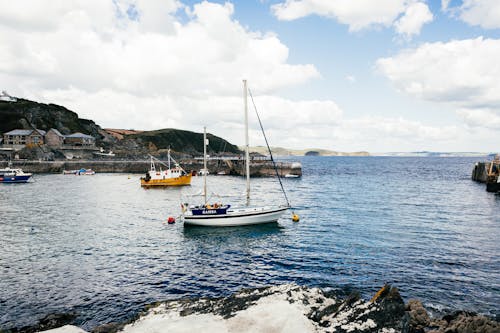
pixel 222 215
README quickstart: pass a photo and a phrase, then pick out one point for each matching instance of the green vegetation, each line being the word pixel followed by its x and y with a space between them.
pixel 182 141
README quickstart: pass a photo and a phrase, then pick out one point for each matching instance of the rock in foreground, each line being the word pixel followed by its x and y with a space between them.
pixel 291 308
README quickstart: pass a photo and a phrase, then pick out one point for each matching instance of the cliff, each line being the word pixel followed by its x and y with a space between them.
pixel 25 114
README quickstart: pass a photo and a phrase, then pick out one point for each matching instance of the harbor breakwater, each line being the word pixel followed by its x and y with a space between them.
pixel 489 173
pixel 284 308
pixel 258 168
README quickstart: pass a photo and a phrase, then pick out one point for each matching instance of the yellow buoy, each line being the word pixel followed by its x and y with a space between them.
pixel 295 217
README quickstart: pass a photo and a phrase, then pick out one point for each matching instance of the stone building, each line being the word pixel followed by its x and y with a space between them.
pixel 54 138
pixel 80 140
pixel 23 137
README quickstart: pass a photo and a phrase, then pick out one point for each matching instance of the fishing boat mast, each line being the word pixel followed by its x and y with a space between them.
pixel 169 158
pixel 247 148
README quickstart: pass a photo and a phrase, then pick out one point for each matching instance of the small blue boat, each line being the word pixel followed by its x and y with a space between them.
pixel 9 175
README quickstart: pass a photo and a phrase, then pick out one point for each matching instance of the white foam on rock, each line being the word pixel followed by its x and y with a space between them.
pixel 285 308
pixel 269 314
pixel 66 329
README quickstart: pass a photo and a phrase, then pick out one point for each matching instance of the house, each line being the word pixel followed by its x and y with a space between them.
pixel 79 139
pixel 54 138
pixel 24 137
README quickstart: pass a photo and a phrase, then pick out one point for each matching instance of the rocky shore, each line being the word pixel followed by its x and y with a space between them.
pixel 286 308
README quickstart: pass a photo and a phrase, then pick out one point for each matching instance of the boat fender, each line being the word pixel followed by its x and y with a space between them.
pixel 171 220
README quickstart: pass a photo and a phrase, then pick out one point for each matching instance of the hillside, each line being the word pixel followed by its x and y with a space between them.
pixel 182 141
pixel 25 114
pixel 279 151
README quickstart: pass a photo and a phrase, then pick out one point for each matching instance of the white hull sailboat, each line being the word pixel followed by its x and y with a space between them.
pixel 237 217
pixel 222 215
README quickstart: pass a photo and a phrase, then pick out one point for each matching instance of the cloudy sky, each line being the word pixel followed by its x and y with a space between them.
pixel 347 75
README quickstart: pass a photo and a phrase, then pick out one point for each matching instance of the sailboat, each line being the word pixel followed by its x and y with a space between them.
pixel 223 215
pixel 175 176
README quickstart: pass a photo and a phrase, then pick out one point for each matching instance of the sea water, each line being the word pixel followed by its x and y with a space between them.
pixel 99 246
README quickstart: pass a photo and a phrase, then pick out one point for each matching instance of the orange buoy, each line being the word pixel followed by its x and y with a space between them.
pixel 171 220
pixel 295 218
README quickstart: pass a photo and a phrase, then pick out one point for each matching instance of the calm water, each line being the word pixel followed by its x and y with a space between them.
pixel 98 245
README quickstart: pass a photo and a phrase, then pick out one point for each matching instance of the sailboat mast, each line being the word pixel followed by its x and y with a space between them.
pixel 204 164
pixel 169 158
pixel 247 148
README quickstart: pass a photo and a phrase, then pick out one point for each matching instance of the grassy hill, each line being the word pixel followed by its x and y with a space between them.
pixel 182 141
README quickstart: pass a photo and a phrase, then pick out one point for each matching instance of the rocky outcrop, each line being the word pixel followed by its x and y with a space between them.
pixel 48 322
pixel 464 322
pixel 308 309
pixel 286 308
pixel 28 114
pixel 419 318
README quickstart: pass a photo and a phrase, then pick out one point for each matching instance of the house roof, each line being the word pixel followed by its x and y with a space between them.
pixel 25 132
pixel 79 135
pixel 19 132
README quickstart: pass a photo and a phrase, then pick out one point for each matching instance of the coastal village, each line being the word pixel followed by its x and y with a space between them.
pixel 47 149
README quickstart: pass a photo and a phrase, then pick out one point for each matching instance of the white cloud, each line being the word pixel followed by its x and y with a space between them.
pixel 205 55
pixel 464 74
pixel 445 4
pixel 361 14
pixel 145 65
pixel 483 118
pixel 484 13
pixel 145 68
pixel 414 18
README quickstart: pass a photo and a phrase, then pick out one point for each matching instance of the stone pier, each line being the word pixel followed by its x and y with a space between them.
pixel 221 167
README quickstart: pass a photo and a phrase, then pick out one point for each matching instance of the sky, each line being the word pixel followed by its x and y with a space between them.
pixel 345 75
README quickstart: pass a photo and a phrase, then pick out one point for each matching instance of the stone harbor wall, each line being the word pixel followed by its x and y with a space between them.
pixel 286 308
pixel 480 171
pixel 257 169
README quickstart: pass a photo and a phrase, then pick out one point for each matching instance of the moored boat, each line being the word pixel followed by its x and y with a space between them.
pixel 79 172
pixel 172 176
pixel 222 215
pixel 16 175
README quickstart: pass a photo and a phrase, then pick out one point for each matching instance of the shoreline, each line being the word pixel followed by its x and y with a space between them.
pixel 221 167
pixel 282 308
